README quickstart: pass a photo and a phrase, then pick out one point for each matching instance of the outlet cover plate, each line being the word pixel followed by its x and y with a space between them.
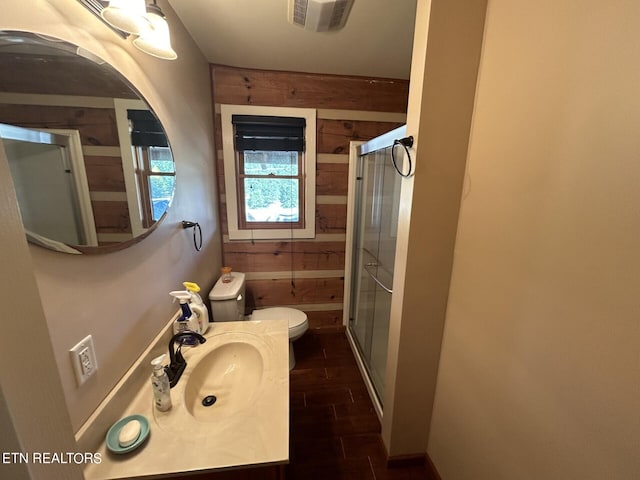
pixel 83 358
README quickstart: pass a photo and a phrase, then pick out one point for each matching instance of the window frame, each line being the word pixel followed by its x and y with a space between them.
pixel 143 173
pixel 241 175
pixel 270 230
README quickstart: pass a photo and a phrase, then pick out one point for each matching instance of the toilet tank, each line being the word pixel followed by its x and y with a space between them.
pixel 227 299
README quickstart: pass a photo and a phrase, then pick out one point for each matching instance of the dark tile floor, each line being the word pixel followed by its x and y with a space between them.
pixel 335 433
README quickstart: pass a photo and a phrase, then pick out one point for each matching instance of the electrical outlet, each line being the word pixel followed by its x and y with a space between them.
pixel 83 358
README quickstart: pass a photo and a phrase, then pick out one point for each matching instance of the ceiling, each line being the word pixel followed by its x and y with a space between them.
pixel 376 40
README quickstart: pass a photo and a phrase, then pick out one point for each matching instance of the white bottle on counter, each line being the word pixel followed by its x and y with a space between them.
pixel 188 321
pixel 160 385
pixel 197 306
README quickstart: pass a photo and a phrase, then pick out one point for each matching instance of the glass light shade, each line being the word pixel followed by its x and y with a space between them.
pixel 126 15
pixel 156 40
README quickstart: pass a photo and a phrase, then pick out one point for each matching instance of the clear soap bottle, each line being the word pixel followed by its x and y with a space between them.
pixel 160 385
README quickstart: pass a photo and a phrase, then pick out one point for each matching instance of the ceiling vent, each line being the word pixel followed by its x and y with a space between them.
pixel 319 15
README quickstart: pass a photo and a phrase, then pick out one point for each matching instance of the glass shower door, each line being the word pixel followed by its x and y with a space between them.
pixel 377 205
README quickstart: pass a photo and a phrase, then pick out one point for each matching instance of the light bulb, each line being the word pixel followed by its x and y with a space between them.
pixel 126 15
pixel 156 40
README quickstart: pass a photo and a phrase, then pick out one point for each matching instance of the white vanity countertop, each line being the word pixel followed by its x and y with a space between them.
pixel 255 434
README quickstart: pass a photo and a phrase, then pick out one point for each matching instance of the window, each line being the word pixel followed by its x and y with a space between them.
pixel 155 174
pixel 154 167
pixel 269 158
pixel 269 189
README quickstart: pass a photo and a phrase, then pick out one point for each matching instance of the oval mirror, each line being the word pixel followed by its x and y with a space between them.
pixel 91 164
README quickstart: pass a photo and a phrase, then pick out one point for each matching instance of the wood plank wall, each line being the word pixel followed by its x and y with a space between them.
pixel 307 274
pixel 101 150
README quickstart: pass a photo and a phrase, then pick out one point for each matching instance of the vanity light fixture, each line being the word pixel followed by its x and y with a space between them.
pixel 155 39
pixel 133 17
pixel 127 15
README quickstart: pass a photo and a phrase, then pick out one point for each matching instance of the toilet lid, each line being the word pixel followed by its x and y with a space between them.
pixel 294 316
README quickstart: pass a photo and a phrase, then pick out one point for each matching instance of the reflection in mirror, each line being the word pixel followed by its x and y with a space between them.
pixel 90 162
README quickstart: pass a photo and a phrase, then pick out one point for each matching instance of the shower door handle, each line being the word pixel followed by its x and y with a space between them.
pixel 375 279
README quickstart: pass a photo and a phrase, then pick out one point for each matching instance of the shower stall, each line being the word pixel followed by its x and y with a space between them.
pixel 374 204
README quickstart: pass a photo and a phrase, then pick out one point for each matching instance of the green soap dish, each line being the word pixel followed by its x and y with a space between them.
pixel 114 433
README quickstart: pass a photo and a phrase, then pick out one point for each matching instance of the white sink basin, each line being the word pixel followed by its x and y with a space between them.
pixel 233 368
pixel 246 366
pixel 227 379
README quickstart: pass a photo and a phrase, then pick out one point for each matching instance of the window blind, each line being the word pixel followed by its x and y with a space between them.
pixel 146 130
pixel 257 132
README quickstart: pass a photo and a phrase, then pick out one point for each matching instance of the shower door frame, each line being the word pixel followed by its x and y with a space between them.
pixel 356 150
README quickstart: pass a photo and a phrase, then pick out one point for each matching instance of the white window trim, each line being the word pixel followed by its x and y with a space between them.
pixel 229 154
pixel 121 105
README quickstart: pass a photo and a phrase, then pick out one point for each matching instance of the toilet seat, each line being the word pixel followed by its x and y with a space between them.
pixel 298 324
pixel 297 319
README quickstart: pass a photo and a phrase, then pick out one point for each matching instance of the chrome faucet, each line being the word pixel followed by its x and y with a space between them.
pixel 178 363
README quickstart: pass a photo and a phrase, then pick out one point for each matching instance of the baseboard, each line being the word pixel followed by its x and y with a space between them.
pixel 431 469
pixel 416 460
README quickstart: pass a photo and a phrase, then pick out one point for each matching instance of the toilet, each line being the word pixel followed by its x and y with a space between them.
pixel 227 305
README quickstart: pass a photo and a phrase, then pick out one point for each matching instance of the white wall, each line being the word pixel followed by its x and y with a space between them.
pixel 121 298
pixel 33 416
pixel 540 369
pixel 448 36
pixel 9 442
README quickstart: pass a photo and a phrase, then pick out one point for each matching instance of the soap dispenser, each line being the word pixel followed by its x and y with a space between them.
pixel 187 321
pixel 197 306
pixel 160 385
